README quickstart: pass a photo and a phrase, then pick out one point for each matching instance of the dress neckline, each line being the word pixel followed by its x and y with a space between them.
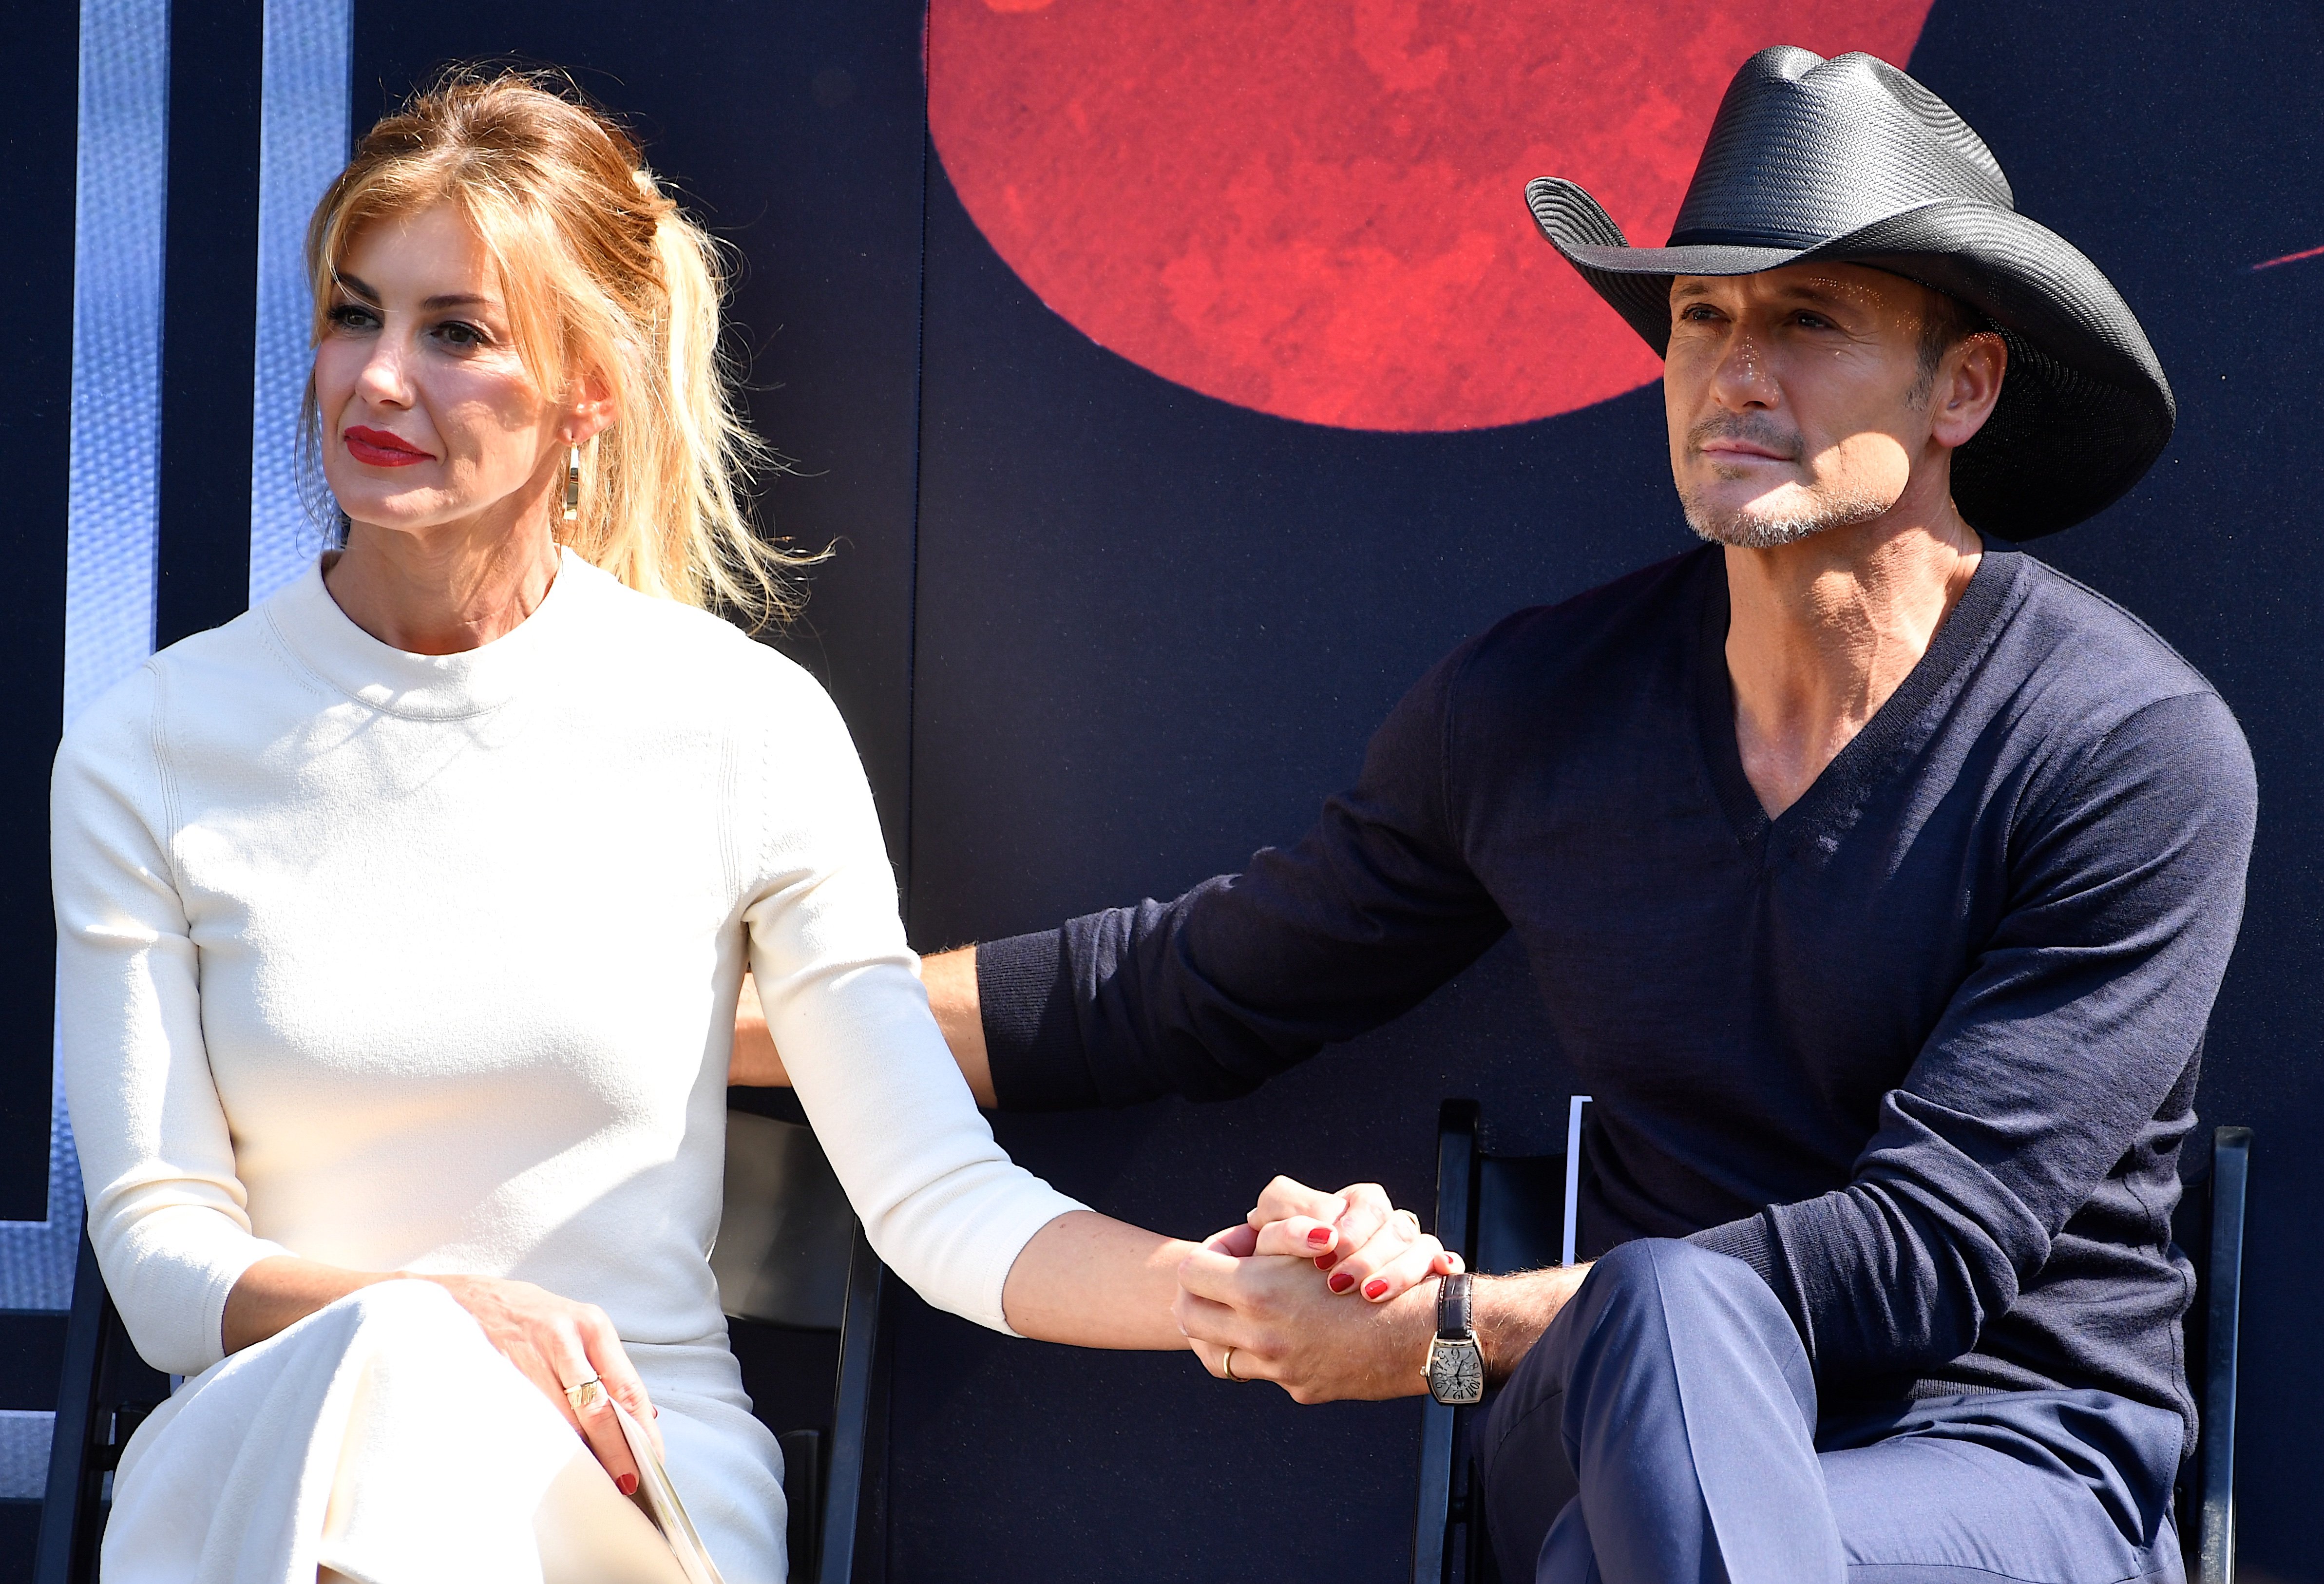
pixel 308 623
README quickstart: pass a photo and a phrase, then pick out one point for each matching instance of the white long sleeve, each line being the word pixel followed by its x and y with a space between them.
pixel 417 963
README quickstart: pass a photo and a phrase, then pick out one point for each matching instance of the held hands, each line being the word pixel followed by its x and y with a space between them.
pixel 1360 1328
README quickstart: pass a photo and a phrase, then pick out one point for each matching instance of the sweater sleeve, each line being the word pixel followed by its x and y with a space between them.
pixel 940 1199
pixel 167 1212
pixel 2050 1062
pixel 1247 975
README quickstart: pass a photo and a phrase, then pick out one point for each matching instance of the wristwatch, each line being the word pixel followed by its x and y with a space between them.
pixel 1456 1365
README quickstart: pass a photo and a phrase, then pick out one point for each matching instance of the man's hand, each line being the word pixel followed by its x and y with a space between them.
pixel 1284 1325
pixel 1249 1290
pixel 1254 1288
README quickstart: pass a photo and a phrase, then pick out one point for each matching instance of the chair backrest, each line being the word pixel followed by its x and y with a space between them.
pixel 786 1232
pixel 801 1288
pixel 794 1269
pixel 2208 1228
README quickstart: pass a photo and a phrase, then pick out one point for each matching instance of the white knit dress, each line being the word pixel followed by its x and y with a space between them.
pixel 428 963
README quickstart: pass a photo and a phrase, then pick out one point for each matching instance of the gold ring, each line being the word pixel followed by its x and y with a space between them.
pixel 1414 1219
pixel 584 1396
pixel 1226 1366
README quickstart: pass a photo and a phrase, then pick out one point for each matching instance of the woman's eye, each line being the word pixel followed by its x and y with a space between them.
pixel 353 316
pixel 455 333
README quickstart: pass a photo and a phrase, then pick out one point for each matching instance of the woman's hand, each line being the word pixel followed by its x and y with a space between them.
pixel 553 1341
pixel 1357 1236
pixel 558 1344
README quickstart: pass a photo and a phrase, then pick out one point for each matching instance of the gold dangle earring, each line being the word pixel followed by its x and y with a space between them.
pixel 572 486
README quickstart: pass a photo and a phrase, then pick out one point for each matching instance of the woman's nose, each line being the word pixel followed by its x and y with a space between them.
pixel 386 377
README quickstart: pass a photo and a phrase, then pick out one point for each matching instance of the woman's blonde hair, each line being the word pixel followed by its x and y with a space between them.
pixel 603 275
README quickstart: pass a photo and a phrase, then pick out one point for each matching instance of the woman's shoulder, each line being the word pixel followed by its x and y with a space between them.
pixel 683 645
pixel 227 664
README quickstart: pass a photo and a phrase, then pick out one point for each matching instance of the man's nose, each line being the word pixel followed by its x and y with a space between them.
pixel 1742 378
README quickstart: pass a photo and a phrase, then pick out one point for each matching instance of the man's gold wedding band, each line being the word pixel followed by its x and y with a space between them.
pixel 1226 1366
pixel 584 1396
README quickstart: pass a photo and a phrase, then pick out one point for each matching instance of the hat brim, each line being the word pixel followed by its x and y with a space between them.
pixel 2084 408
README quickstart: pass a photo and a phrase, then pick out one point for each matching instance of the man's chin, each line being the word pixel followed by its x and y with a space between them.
pixel 1770 525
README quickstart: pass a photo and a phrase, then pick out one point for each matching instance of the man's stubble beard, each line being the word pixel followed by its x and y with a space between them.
pixel 1746 528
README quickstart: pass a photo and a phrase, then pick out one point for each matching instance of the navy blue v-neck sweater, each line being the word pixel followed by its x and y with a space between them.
pixel 1920 1050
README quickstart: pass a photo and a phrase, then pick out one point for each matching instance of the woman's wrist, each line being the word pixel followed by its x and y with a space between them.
pixel 279 1291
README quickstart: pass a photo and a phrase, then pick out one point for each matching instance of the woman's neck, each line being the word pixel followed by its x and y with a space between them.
pixel 452 586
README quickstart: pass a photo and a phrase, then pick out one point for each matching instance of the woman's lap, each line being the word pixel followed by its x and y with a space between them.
pixel 384 1437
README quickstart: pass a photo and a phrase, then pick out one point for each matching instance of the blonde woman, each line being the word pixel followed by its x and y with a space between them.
pixel 402 920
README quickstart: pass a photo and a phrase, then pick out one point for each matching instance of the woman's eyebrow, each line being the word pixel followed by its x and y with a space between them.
pixel 356 286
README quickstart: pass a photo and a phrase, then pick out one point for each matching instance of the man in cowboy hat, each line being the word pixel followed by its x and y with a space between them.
pixel 1878 880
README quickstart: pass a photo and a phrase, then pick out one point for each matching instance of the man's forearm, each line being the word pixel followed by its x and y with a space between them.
pixel 951 981
pixel 1510 1313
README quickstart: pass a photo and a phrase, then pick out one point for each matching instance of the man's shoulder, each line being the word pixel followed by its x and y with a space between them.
pixel 2093 686
pixel 1614 625
pixel 2090 654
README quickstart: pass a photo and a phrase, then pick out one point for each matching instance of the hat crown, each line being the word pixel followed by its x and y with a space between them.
pixel 1804 149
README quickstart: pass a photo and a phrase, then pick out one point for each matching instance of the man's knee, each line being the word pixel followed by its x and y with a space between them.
pixel 1665 1275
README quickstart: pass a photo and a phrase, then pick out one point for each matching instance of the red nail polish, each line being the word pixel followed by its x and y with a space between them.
pixel 628 1484
pixel 1319 1236
pixel 1341 1283
pixel 1326 1261
pixel 1375 1287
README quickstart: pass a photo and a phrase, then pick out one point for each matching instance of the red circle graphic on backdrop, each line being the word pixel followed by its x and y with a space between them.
pixel 1315 207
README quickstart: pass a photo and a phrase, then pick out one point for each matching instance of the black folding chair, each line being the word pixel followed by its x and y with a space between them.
pixel 802 1288
pixel 800 1283
pixel 1510 1214
pixel 2208 1227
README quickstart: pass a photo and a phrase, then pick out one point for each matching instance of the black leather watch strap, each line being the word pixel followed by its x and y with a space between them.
pixel 1453 1309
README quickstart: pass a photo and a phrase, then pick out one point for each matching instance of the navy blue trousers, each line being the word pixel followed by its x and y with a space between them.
pixel 1665 1431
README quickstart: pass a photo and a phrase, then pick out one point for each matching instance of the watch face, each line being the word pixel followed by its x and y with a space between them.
pixel 1456 1372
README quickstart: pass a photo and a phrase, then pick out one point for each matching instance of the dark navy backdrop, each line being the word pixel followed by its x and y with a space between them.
pixel 1099 637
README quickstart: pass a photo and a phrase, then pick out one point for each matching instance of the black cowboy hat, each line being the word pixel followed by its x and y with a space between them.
pixel 1850 160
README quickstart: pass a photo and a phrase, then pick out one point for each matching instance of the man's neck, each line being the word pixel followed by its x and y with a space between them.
pixel 1821 631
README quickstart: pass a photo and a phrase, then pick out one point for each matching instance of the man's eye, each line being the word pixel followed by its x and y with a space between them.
pixel 1815 321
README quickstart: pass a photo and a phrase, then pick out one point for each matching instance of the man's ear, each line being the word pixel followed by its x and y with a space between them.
pixel 1967 386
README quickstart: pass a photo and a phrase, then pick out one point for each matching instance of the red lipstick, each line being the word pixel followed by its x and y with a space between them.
pixel 378 448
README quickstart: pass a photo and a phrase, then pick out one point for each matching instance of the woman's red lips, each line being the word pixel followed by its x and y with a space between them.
pixel 379 449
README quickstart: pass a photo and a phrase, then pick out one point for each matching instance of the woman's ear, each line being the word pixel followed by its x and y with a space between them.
pixel 590 412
